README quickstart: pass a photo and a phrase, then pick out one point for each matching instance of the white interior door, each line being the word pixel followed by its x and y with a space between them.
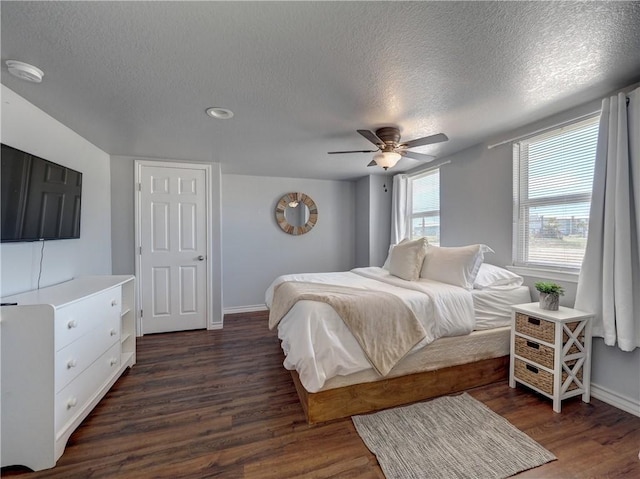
pixel 172 235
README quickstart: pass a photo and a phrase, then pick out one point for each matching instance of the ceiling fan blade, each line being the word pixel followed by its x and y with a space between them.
pixel 427 140
pixel 372 163
pixel 369 135
pixel 352 151
pixel 417 156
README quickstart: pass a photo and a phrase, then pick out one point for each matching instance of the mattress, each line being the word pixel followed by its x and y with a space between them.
pixel 443 352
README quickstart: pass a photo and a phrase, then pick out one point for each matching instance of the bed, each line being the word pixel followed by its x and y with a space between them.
pixel 465 316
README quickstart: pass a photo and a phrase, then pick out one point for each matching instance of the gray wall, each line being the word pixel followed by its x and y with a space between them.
pixel 122 214
pixel 373 219
pixel 254 248
pixel 476 201
pixel 476 207
pixel 379 218
pixel 30 129
pixel 362 224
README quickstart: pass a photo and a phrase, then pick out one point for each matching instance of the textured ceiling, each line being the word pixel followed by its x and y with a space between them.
pixel 134 78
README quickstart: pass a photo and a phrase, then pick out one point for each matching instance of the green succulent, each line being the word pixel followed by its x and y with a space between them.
pixel 549 288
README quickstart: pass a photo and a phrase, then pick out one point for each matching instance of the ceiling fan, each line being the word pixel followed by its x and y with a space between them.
pixel 387 139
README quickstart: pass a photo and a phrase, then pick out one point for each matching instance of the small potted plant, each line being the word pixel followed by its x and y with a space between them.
pixel 549 295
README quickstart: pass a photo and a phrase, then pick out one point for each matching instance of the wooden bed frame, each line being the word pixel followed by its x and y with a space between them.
pixel 373 396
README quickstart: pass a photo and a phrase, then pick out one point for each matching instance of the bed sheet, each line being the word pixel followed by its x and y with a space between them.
pixel 492 307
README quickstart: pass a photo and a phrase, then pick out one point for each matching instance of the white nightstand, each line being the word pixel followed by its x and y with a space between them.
pixel 551 351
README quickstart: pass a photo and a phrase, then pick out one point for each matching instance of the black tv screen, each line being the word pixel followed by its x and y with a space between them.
pixel 40 199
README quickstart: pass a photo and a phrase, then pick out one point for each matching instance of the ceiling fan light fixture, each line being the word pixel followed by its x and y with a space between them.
pixel 390 150
pixel 219 113
pixel 387 159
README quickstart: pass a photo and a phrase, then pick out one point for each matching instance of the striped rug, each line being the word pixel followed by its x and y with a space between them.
pixel 448 437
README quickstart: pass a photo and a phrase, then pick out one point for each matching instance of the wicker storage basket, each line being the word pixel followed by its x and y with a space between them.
pixel 545 330
pixel 540 378
pixel 536 352
pixel 535 327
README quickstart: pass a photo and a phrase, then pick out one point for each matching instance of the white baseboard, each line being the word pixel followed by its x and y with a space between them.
pixel 625 403
pixel 245 309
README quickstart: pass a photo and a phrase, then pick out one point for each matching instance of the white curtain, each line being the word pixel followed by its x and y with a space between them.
pixel 399 208
pixel 609 283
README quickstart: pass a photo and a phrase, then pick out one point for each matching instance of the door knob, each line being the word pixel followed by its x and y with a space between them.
pixel 200 258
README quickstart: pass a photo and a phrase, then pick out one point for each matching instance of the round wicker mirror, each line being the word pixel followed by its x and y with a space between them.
pixel 296 213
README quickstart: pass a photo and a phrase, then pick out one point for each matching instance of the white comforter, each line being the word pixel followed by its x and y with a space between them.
pixel 319 346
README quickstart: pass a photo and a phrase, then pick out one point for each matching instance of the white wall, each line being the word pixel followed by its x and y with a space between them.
pixel 476 207
pixel 254 248
pixel 30 129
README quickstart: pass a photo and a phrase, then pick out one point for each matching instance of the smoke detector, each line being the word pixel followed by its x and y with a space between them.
pixel 219 113
pixel 24 71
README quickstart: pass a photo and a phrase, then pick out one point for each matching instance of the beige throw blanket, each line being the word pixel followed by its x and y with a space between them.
pixel 384 326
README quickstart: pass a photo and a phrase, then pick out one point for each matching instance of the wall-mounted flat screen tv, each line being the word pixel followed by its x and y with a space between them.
pixel 40 199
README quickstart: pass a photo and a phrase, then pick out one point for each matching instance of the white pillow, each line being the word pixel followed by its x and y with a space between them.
pixel 406 258
pixel 388 260
pixel 454 265
pixel 491 276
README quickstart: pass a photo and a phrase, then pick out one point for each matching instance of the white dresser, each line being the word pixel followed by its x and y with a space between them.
pixel 63 347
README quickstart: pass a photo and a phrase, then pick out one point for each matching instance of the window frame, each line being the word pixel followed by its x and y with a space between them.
pixel 521 201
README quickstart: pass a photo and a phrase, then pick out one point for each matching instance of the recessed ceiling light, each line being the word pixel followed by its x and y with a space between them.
pixel 219 113
pixel 24 71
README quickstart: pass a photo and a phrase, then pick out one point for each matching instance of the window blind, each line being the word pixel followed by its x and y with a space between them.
pixel 553 177
pixel 425 206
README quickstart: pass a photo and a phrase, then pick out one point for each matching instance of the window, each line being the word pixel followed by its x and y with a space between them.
pixel 424 216
pixel 553 177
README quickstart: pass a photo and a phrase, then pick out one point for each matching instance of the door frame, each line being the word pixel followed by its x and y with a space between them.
pixel 213 320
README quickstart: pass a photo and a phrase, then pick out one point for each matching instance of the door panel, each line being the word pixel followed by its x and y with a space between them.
pixel 188 289
pixel 160 292
pixel 188 227
pixel 174 247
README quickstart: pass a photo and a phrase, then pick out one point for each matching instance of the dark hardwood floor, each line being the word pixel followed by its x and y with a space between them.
pixel 219 404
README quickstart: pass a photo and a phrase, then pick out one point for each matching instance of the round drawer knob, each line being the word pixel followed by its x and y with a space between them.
pixel 113 361
pixel 113 332
pixel 72 324
pixel 72 363
pixel 72 402
pixel 114 302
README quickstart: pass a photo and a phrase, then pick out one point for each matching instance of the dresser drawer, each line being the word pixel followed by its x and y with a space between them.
pixel 535 327
pixel 544 330
pixel 537 377
pixel 72 400
pixel 534 351
pixel 541 353
pixel 79 355
pixel 77 319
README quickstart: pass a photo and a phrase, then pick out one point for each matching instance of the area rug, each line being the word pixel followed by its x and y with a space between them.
pixel 448 437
